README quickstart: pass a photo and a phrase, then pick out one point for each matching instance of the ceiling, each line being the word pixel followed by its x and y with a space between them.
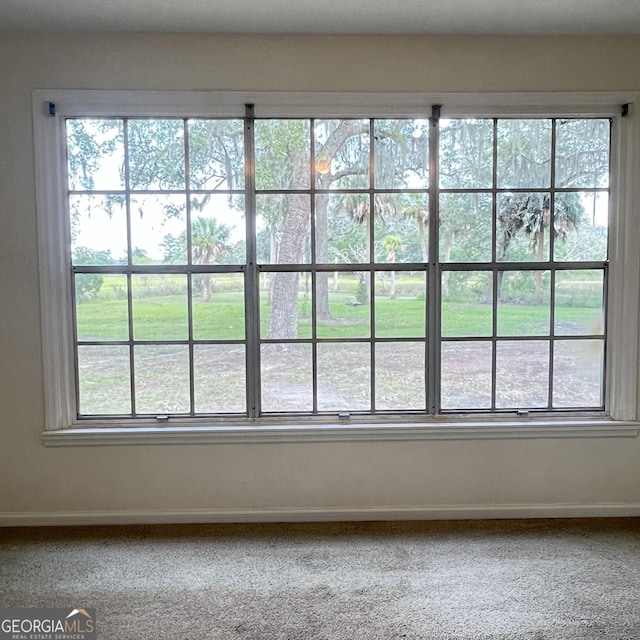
pixel 326 17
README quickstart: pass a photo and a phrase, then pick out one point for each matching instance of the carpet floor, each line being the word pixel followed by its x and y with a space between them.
pixel 459 580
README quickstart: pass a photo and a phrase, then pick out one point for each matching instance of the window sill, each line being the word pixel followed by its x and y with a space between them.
pixel 362 432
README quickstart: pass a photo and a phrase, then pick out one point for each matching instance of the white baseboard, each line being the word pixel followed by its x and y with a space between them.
pixel 335 514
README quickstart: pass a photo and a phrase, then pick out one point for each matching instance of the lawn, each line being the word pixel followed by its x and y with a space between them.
pixel 222 318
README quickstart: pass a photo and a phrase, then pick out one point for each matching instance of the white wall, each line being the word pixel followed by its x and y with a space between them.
pixel 36 481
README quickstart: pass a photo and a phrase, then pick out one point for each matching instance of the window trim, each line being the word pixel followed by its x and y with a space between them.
pixel 56 295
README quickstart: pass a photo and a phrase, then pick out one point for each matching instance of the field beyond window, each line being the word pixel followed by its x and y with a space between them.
pixel 251 267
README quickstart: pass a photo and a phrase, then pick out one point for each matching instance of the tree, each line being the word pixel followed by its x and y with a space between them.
pixel 284 309
pixel 523 149
pixel 174 248
pixel 209 243
pixel 464 227
pixel 531 214
pixel 392 243
pixel 401 161
pixel 90 144
pixel 140 256
pixel 341 154
pixel 88 285
pixel 415 207
pixel 347 162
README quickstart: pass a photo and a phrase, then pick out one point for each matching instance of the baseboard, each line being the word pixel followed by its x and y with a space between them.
pixel 336 514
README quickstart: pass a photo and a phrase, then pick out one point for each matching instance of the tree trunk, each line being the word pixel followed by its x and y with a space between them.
pixel 541 259
pixel 338 137
pixel 367 285
pixel 447 257
pixel 423 240
pixel 284 311
pixel 273 259
pixel 499 276
pixel 284 308
pixel 322 256
pixel 207 287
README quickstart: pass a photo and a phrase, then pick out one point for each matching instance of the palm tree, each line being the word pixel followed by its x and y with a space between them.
pixel 209 243
pixel 392 243
pixel 416 208
pixel 530 212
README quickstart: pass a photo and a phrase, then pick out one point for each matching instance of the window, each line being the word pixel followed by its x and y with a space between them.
pixel 225 264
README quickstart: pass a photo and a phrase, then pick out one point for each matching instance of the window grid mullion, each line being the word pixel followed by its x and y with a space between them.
pixel 372 273
pixel 314 279
pixel 252 283
pixel 187 174
pixel 127 184
pixel 433 299
pixel 552 259
pixel 494 260
pixel 605 341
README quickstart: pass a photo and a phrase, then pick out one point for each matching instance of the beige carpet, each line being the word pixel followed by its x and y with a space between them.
pixel 534 580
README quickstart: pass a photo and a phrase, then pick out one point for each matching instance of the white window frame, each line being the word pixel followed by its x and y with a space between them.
pixel 51 107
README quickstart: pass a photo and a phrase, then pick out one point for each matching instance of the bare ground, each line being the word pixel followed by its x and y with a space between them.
pixel 344 377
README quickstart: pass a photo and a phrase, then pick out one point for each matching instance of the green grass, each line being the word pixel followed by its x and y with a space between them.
pixel 222 318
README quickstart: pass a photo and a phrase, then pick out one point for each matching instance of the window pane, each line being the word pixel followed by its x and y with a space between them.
pixel 216 154
pixel 283 153
pixel 465 227
pixel 523 303
pixel 522 232
pixel 159 307
pixel 342 228
pixel 578 367
pixel 401 154
pixel 286 378
pixel 158 229
pixel 342 154
pixel 162 378
pixel 524 154
pixel 344 377
pixel 218 230
pixel 400 376
pixel 466 154
pixel 582 153
pixel 101 306
pixel 400 304
pixel 98 229
pixel 401 227
pixel 156 154
pixel 95 154
pixel 522 374
pixel 344 310
pixel 219 378
pixel 581 221
pixel 218 306
pixel 285 305
pixel 465 380
pixel 283 228
pixel 466 303
pixel 579 302
pixel 104 380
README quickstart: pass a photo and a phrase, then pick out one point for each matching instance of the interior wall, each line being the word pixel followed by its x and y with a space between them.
pixel 36 481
